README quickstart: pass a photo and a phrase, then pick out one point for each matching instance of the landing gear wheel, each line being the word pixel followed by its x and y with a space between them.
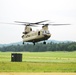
pixel 23 43
pixel 44 42
pixel 34 43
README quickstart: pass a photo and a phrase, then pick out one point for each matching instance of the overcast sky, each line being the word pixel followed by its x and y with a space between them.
pixel 57 11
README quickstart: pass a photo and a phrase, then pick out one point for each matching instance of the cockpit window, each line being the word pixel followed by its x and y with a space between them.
pixel 39 33
pixel 46 32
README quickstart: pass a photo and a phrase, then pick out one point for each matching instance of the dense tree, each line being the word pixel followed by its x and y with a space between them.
pixel 68 46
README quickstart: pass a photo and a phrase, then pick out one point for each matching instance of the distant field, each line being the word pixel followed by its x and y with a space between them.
pixel 39 62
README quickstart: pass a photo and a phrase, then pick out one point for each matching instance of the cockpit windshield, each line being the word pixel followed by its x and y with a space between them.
pixel 46 32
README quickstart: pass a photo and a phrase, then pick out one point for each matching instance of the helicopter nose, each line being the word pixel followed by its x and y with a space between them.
pixel 47 35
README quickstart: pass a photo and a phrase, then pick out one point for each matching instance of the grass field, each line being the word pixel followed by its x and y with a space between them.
pixel 39 62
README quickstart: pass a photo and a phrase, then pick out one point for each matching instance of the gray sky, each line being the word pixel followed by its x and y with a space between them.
pixel 57 11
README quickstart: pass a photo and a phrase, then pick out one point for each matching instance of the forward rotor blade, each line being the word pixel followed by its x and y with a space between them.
pixel 53 24
pixel 58 24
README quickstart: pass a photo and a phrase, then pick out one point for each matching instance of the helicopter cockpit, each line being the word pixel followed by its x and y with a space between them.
pixel 46 32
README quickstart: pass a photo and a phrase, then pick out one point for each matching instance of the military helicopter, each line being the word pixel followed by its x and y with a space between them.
pixel 36 36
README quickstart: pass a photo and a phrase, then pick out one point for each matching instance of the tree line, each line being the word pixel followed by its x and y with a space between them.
pixel 39 47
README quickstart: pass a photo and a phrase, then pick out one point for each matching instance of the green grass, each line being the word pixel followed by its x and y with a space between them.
pixel 37 67
pixel 50 56
pixel 39 62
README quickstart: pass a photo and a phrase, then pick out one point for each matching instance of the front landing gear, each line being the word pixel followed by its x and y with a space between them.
pixel 23 43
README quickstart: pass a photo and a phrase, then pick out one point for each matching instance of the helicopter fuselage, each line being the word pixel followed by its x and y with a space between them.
pixel 36 36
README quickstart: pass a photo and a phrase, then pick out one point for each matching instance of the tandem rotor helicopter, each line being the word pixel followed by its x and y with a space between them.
pixel 36 36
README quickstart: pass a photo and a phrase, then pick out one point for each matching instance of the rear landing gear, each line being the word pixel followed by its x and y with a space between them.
pixel 44 42
pixel 34 43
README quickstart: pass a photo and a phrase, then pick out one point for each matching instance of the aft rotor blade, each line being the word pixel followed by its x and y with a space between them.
pixel 41 22
pixel 6 23
pixel 11 23
pixel 20 22
pixel 31 23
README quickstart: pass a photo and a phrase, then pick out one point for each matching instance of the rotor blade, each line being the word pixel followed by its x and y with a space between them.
pixel 41 22
pixel 6 23
pixel 31 23
pixel 59 24
pixel 25 23
pixel 53 24
pixel 21 22
pixel 11 23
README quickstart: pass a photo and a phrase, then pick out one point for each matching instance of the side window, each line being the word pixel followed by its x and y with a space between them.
pixel 30 29
pixel 39 33
pixel 44 32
